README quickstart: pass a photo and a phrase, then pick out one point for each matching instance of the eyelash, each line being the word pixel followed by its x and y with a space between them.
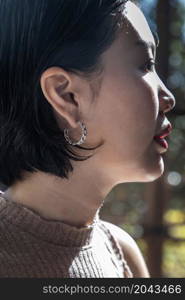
pixel 152 63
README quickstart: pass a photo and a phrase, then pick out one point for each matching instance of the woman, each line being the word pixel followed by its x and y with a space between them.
pixel 82 110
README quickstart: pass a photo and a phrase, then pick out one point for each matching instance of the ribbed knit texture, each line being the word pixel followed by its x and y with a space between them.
pixel 34 247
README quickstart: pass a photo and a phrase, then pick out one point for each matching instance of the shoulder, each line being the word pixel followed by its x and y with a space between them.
pixel 130 250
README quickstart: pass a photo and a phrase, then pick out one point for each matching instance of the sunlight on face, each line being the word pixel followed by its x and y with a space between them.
pixel 136 17
pixel 127 112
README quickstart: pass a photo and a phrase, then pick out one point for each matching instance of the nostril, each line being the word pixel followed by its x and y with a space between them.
pixel 161 113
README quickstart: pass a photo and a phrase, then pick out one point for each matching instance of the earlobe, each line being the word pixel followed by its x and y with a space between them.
pixel 55 88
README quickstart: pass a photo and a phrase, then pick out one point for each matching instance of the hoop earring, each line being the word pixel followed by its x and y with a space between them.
pixel 83 136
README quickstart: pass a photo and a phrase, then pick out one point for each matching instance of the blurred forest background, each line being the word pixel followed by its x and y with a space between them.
pixel 154 213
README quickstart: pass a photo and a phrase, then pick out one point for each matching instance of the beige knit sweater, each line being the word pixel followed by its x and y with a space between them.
pixel 31 246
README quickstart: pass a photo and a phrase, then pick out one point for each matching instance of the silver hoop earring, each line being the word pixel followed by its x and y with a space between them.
pixel 83 136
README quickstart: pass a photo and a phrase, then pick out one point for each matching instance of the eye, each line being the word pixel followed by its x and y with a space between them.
pixel 149 66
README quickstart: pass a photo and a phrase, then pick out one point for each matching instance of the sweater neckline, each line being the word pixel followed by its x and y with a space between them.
pixel 52 231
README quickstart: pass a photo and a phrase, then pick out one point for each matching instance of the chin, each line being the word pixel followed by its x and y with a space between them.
pixel 151 177
pixel 154 170
pixel 146 170
pixel 149 170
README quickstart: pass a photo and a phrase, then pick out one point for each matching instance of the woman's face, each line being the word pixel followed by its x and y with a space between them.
pixel 126 113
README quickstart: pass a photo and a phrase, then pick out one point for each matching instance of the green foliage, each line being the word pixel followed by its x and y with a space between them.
pixel 173 216
pixel 174 259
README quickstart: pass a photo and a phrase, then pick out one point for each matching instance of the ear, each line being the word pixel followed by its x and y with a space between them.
pixel 63 91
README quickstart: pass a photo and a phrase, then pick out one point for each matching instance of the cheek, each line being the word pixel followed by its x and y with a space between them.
pixel 127 111
pixel 143 93
pixel 131 109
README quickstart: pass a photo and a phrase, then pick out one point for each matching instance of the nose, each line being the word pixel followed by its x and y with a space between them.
pixel 166 98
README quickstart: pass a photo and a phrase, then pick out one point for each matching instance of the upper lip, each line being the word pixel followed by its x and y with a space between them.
pixel 165 131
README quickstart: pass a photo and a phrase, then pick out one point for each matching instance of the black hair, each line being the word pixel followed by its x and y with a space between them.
pixel 35 35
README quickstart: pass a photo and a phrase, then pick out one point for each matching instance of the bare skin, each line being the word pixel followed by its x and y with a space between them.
pixel 126 114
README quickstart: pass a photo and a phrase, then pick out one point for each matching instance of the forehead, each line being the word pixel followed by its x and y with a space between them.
pixel 135 24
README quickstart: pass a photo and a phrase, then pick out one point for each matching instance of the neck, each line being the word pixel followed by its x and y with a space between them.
pixel 74 201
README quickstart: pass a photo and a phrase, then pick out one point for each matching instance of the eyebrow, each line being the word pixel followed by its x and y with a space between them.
pixel 149 44
pixel 145 44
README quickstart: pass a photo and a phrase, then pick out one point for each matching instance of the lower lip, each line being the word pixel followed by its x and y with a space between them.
pixel 162 142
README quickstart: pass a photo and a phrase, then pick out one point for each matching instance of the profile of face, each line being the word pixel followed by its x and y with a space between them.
pixel 132 103
pixel 131 106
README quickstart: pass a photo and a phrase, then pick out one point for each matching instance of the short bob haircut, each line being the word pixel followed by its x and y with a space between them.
pixel 36 35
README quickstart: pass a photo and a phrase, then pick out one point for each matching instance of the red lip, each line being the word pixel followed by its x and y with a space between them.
pixel 165 132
